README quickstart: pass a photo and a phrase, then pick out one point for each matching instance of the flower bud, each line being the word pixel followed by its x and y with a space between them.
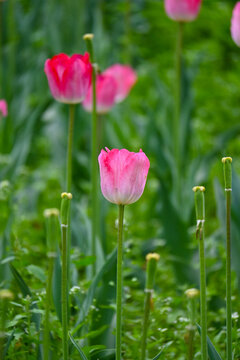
pixel 123 175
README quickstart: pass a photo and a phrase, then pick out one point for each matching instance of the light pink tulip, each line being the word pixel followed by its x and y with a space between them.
pixel 3 108
pixel 69 78
pixel 235 25
pixel 123 175
pixel 106 90
pixel 182 10
pixel 125 77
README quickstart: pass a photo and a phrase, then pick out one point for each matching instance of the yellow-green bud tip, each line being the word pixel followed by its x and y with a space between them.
pixel 88 37
pixel 192 293
pixel 198 188
pixel 151 256
pixel 66 195
pixel 51 212
pixel 6 294
pixel 227 158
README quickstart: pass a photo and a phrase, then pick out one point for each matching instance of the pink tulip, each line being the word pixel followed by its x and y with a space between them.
pixel 3 108
pixel 182 10
pixel 235 26
pixel 123 175
pixel 106 90
pixel 69 78
pixel 125 77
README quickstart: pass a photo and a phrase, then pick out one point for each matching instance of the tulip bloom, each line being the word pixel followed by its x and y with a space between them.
pixel 69 78
pixel 106 90
pixel 182 10
pixel 125 77
pixel 235 25
pixel 123 175
pixel 3 108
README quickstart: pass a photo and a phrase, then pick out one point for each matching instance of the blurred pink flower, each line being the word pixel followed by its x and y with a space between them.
pixel 235 25
pixel 69 78
pixel 182 10
pixel 106 90
pixel 123 175
pixel 125 77
pixel 3 108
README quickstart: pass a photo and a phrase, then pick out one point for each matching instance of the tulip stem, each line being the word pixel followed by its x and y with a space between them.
pixel 177 118
pixel 70 145
pixel 119 282
pixel 94 150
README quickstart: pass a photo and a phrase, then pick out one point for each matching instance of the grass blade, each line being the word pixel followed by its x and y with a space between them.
pixel 212 352
pixel 82 355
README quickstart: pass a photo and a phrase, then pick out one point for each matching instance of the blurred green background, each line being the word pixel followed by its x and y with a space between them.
pixel 33 151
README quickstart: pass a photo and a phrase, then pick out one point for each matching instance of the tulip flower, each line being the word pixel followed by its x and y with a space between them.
pixel 123 175
pixel 235 25
pixel 3 108
pixel 125 77
pixel 182 10
pixel 69 78
pixel 123 178
pixel 106 91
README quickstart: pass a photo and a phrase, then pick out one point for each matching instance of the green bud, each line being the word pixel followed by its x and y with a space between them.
pixel 89 43
pixel 152 260
pixel 227 170
pixel 199 202
pixel 52 225
pixel 6 295
pixel 65 207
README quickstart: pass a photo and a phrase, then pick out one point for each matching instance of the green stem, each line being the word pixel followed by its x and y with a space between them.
pixel 119 282
pixel 94 171
pixel 228 277
pixel 2 326
pixel 192 316
pixel 70 145
pixel 64 294
pixel 65 211
pixel 145 323
pixel 177 118
pixel 47 309
pixel 200 236
pixel 94 151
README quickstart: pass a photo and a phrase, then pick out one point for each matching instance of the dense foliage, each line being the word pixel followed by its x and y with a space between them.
pixel 32 174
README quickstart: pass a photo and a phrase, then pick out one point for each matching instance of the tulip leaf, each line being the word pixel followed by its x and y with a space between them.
pixel 212 352
pixel 111 260
pixel 165 346
pixel 82 355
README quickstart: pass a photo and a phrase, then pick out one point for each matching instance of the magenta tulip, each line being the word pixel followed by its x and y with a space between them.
pixel 235 25
pixel 69 78
pixel 125 77
pixel 106 90
pixel 123 175
pixel 3 108
pixel 182 10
